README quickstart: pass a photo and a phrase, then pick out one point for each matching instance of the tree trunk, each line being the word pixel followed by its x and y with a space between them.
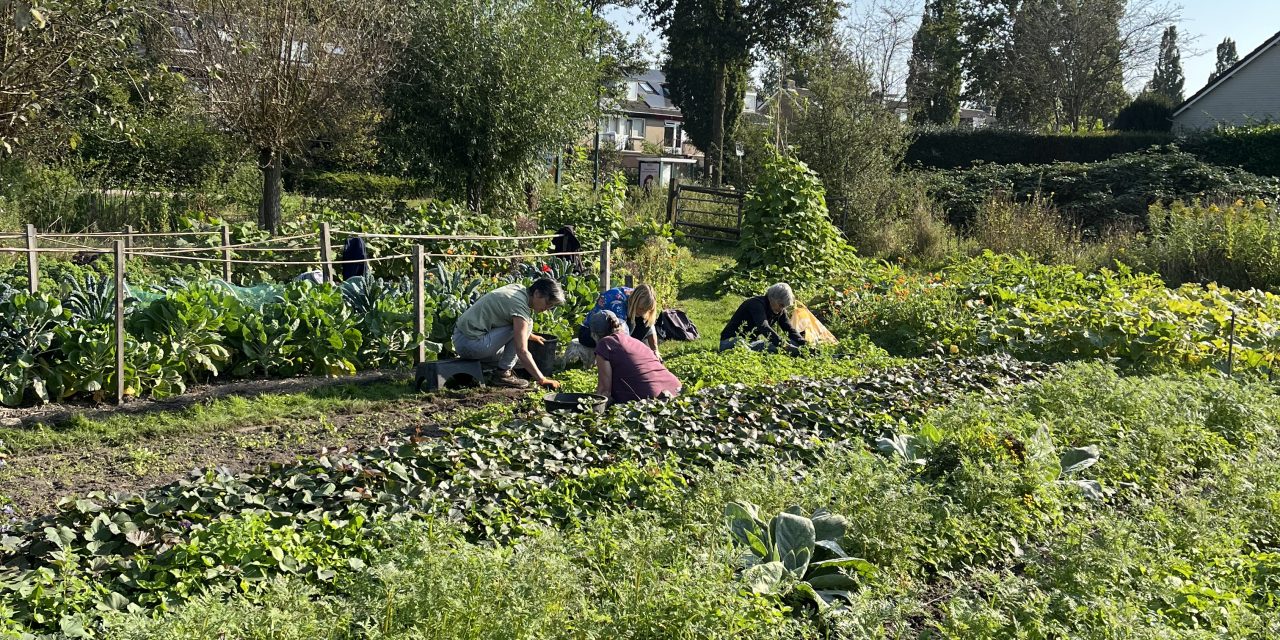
pixel 269 211
pixel 475 193
pixel 715 155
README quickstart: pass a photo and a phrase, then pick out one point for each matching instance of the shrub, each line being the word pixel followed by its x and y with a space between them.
pixel 1102 193
pixel 1254 148
pixel 787 233
pixel 1236 245
pixel 593 214
pixel 1032 226
pixel 659 262
pixel 1147 112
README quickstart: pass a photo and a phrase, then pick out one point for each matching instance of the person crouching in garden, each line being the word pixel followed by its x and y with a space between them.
pixel 758 320
pixel 639 307
pixel 628 369
pixel 497 330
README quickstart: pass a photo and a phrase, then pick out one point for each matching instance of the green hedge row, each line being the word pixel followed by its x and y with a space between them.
pixel 959 148
pixel 1254 148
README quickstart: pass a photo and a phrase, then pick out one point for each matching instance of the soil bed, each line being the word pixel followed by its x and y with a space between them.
pixel 34 481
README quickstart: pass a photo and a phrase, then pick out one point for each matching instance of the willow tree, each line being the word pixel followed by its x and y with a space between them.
pixel 280 73
pixel 487 87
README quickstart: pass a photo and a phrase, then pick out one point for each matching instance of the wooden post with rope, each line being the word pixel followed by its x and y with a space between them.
pixel 326 253
pixel 128 239
pixel 119 330
pixel 226 252
pixel 33 260
pixel 419 308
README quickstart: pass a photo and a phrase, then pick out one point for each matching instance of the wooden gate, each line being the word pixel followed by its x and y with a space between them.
pixel 705 213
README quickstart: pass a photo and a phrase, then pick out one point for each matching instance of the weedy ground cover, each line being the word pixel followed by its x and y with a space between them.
pixel 1010 304
pixel 501 477
pixel 984 529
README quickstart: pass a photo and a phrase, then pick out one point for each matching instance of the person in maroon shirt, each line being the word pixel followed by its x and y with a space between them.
pixel 629 369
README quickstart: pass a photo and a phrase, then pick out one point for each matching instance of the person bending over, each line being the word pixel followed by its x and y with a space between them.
pixel 628 369
pixel 497 330
pixel 638 306
pixel 758 321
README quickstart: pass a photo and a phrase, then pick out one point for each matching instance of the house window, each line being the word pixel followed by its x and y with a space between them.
pixel 647 87
pixel 671 137
pixel 635 127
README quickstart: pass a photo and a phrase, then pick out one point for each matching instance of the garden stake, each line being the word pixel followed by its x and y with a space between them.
pixel 120 257
pixel 226 252
pixel 1231 343
pixel 33 260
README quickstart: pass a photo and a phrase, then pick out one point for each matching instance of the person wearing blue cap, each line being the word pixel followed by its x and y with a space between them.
pixel 629 370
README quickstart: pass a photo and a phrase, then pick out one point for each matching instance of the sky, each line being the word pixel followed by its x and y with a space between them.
pixel 1248 22
pixel 1204 23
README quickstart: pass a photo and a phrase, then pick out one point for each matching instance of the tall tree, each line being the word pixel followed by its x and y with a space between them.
pixel 51 54
pixel 1227 58
pixel 486 87
pixel 1059 63
pixel 713 42
pixel 879 33
pixel 1168 80
pixel 842 130
pixel 934 77
pixel 282 72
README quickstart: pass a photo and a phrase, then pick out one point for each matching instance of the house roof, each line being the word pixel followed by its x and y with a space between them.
pixel 656 102
pixel 1226 75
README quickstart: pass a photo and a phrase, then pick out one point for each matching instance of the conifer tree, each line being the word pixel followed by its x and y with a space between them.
pixel 934 75
pixel 1227 58
pixel 1168 79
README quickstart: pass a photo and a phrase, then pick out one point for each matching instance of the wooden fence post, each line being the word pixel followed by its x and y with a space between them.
pixel 226 252
pixel 128 239
pixel 326 252
pixel 419 308
pixel 120 258
pixel 605 276
pixel 673 192
pixel 33 260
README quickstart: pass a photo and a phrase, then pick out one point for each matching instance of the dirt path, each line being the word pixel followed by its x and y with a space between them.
pixel 35 482
pixel 197 394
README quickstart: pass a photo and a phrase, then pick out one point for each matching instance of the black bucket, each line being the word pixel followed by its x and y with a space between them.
pixel 556 402
pixel 544 355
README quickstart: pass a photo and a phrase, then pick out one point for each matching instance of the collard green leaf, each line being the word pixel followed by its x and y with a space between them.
pixel 764 578
pixel 1078 459
pixel 794 539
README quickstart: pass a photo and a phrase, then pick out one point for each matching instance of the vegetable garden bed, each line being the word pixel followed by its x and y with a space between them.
pixel 500 477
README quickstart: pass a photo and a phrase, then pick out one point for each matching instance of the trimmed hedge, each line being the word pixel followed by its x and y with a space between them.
pixel 1094 194
pixel 960 148
pixel 1255 149
pixel 351 185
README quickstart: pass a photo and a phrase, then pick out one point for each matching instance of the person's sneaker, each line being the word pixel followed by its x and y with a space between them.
pixel 507 379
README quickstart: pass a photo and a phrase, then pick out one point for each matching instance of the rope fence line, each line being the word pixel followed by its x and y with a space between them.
pixel 458 238
pixel 122 250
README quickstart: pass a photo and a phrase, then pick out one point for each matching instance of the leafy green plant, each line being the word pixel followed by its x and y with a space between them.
pixel 28 324
pixel 797 557
pixel 787 233
pixel 594 214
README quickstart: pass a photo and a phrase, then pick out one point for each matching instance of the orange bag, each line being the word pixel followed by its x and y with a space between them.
pixel 808 326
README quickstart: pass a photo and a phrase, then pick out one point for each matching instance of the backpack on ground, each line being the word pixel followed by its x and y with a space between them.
pixel 673 324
